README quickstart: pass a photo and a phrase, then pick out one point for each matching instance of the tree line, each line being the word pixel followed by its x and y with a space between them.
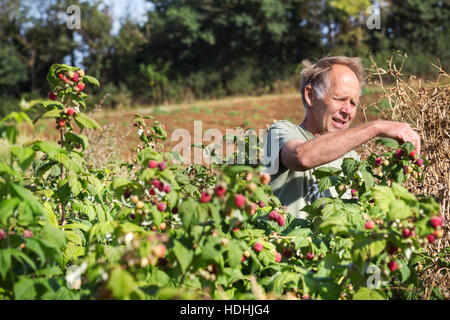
pixel 209 48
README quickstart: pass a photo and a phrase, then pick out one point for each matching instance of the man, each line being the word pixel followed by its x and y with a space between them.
pixel 330 91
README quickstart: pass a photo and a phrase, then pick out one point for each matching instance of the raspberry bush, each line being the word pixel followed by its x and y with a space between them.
pixel 165 231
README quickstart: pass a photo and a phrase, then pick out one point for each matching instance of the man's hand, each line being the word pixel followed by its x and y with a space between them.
pixel 400 131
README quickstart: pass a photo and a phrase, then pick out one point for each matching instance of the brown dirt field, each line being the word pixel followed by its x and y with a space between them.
pixel 119 136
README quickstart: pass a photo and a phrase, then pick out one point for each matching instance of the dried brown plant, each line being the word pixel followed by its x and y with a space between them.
pixel 425 106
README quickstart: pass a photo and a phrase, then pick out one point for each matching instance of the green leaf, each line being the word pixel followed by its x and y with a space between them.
pixel 7 208
pixel 24 289
pixel 234 253
pixel 388 142
pixel 283 279
pixel 121 283
pixel 369 294
pixel 86 122
pixel 325 184
pixel 5 261
pixel 24 156
pixel 349 167
pixel 183 255
pixel 75 185
pixel 91 80
pixel 323 172
pixel 54 113
pixel 188 213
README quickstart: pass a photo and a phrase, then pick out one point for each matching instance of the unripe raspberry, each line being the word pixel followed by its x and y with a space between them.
pixel 159 250
pixel 306 296
pixel 264 179
pixel 258 247
pixel 162 165
pixel 386 162
pixel 277 257
pixel 27 233
pixel 205 197
pixel 152 164
pixel 162 226
pixel 140 204
pixel 70 74
pixel 52 96
pixel 310 256
pixel 249 176
pixel 252 187
pixel 436 221
pixel 220 190
pixel 134 199
pixel 80 72
pixel 252 208
pixel 246 254
pixel 224 241
pixel 392 266
pixel 438 234
pixel 70 111
pixel 341 187
pixel 239 200
pixel 161 206
pixel 80 86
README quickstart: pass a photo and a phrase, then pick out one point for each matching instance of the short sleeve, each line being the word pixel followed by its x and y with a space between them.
pixel 279 133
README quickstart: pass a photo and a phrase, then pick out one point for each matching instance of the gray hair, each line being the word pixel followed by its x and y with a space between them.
pixel 316 74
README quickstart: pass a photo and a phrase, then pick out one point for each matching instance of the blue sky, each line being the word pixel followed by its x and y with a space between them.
pixel 120 9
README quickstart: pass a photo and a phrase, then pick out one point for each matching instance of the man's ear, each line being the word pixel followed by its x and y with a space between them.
pixel 309 95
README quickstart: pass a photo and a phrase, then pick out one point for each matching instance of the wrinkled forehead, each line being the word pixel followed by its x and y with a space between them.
pixel 344 81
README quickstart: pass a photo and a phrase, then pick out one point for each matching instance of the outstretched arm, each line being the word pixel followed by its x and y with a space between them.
pixel 299 155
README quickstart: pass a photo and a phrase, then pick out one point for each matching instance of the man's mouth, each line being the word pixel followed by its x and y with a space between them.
pixel 338 123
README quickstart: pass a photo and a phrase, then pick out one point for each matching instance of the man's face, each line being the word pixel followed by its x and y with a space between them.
pixel 338 107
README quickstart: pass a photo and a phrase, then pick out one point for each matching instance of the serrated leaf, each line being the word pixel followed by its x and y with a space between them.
pixel 183 255
pixel 86 122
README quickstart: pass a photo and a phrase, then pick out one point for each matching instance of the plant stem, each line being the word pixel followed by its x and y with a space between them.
pixel 61 207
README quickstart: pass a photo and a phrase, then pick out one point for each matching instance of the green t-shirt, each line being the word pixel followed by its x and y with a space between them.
pixel 296 189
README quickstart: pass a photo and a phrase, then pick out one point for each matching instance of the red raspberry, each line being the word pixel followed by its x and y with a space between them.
pixel 162 165
pixel 419 162
pixel 377 162
pixel 61 122
pixel 405 170
pixel 281 220
pixel 369 225
pixel 273 215
pixel 412 154
pixel 277 257
pixel 70 111
pixel 75 77
pixel 220 190
pixel 399 153
pixel 161 186
pixel 436 221
pixel 261 204
pixel 81 86
pixel 287 253
pixel 406 233
pixel 264 179
pixel 431 238
pixel 175 210
pixel 2 234
pixel 127 193
pixel 156 183
pixel 161 206
pixel 152 191
pixel 236 229
pixel 392 266
pixel 392 249
pixel 167 188
pixel 258 247
pixel 152 164
pixel 205 197
pixel 310 256
pixel 52 96
pixel 239 200
pixel 354 193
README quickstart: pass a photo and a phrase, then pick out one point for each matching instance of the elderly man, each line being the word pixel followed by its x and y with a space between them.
pixel 330 92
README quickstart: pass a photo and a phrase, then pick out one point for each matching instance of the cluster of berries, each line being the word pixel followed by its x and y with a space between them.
pixel 69 79
pixel 258 246
pixel 275 216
